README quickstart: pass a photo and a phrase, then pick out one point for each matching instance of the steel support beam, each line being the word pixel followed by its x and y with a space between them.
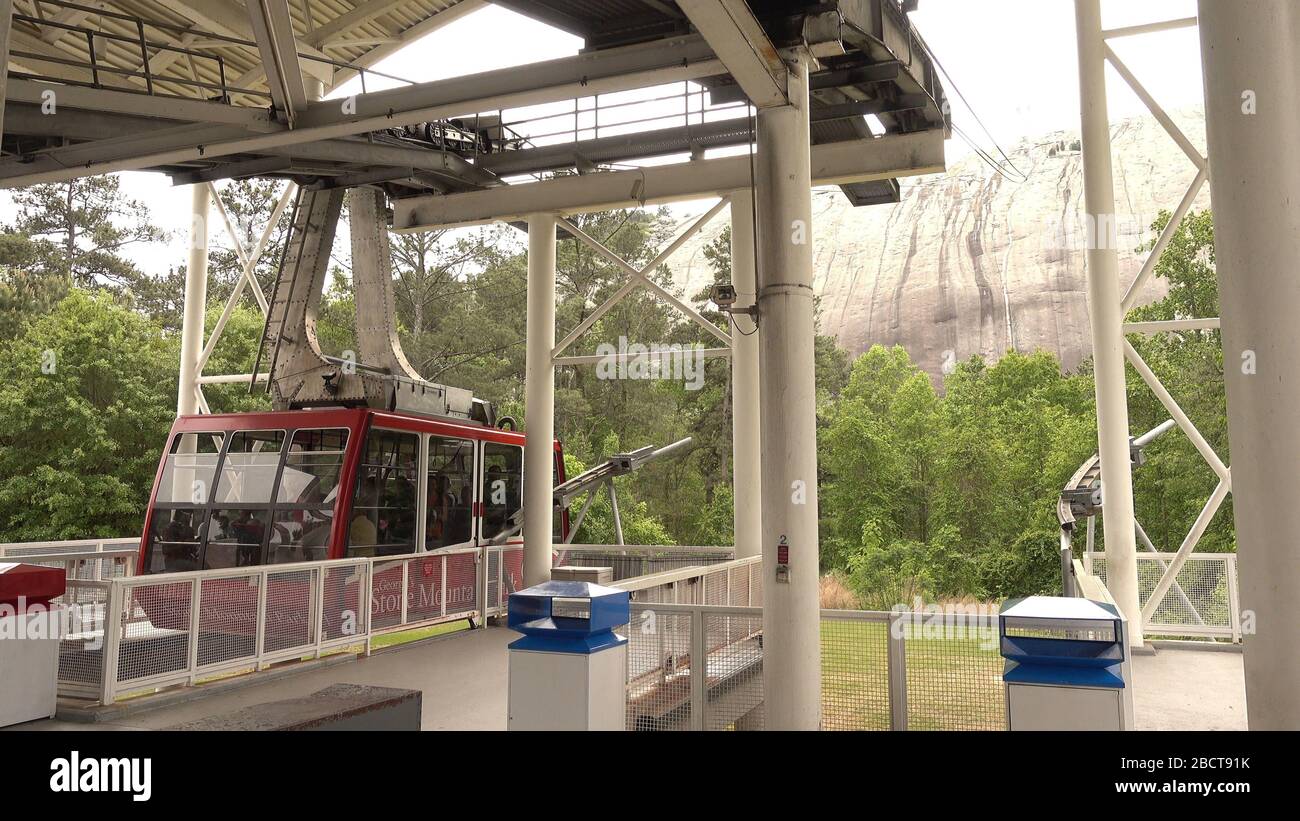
pixel 897 155
pixel 196 297
pixel 642 278
pixel 1106 316
pixel 348 20
pixel 1149 265
pixel 273 29
pixel 1251 67
pixel 1190 541
pixel 109 101
pixel 604 72
pixel 787 398
pixel 231 19
pixel 248 261
pixel 539 400
pixel 739 40
pixel 746 438
pixel 372 277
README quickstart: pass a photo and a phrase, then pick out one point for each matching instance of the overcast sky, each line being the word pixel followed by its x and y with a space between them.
pixel 1013 60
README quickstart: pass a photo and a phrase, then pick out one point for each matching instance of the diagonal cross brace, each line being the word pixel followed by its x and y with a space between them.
pixel 640 278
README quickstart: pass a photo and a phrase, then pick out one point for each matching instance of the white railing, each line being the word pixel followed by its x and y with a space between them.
pixel 142 633
pixel 95 565
pixel 699 667
pixel 10 550
pixel 737 583
pixel 82 559
pixel 659 678
pixel 631 561
pixel 1203 602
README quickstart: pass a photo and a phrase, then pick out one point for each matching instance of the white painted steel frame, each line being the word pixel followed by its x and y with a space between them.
pixel 1233 629
pixel 739 40
pixel 1093 37
pixel 1106 317
pixel 196 298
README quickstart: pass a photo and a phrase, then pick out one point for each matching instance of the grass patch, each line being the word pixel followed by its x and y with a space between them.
pixel 419 634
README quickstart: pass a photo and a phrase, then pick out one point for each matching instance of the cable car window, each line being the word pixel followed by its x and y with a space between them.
pixel 248 472
pixel 448 513
pixel 308 491
pixel 235 537
pixel 384 502
pixel 502 489
pixel 312 467
pixel 174 541
pixel 190 467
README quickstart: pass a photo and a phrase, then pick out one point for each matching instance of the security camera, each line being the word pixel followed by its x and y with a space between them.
pixel 723 295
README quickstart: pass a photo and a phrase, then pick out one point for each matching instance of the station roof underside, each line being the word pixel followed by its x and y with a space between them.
pixel 199 90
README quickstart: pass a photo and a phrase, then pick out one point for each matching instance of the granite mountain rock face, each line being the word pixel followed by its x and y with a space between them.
pixel 970 262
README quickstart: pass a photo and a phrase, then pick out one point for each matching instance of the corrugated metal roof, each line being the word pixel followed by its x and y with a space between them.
pixel 198 47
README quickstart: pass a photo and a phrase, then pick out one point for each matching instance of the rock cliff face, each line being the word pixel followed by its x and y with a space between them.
pixel 970 262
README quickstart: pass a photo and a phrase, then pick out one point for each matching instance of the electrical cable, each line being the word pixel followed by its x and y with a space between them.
pixel 951 83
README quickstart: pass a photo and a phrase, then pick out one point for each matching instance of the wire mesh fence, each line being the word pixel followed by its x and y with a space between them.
pixel 953 673
pixel 701 667
pixel 855 673
pixel 1202 602
pixel 659 671
pixel 733 671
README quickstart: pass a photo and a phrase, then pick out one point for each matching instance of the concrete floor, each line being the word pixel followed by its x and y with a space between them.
pixel 463 679
pixel 462 676
pixel 1189 689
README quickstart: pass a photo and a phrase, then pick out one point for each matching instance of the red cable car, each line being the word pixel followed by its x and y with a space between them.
pixel 247 489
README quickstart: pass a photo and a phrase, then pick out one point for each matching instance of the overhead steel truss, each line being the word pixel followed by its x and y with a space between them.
pixel 122 112
pixel 1089 475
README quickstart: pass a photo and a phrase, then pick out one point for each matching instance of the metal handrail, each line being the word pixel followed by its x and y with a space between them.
pixel 683 573
pixel 666 549
pixel 96 66
pixel 99 545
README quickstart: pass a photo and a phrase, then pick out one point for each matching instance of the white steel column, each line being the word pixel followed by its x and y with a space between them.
pixel 539 399
pixel 746 442
pixel 1252 86
pixel 196 302
pixel 787 391
pixel 1106 316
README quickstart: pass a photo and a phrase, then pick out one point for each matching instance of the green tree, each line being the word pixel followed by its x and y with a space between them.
pixel 83 229
pixel 23 293
pixel 88 395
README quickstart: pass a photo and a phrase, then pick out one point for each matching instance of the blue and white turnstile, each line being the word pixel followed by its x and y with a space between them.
pixel 1067 665
pixel 569 670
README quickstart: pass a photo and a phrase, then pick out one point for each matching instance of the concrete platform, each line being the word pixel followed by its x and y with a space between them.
pixel 1180 688
pixel 463 678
